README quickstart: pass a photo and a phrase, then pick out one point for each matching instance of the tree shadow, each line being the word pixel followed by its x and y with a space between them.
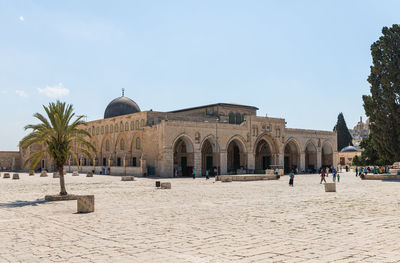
pixel 19 203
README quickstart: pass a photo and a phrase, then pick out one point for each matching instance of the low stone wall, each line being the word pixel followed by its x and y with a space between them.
pixel 249 177
pixel 114 170
pixel 380 177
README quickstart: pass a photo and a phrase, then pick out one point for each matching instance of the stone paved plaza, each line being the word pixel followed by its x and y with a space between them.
pixel 201 221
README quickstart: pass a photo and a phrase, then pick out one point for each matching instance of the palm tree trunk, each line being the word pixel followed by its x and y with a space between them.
pixel 62 182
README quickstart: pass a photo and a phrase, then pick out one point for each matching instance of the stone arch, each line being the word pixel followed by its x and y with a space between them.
pixel 183 151
pixel 236 154
pixel 120 155
pixel 209 155
pixel 311 152
pixel 265 152
pixel 291 155
pixel 327 154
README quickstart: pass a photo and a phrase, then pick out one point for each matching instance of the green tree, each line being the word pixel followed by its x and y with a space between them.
pixel 357 161
pixel 383 105
pixel 369 155
pixel 56 134
pixel 343 135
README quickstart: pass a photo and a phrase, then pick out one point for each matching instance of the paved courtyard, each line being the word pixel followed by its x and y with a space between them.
pixel 201 221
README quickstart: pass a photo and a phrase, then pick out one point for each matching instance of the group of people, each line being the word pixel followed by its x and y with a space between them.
pixel 323 173
pixel 375 170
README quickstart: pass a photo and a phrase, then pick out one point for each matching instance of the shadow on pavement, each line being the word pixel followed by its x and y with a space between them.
pixel 20 203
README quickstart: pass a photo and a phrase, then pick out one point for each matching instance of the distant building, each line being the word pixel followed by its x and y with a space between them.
pixel 360 131
pixel 346 155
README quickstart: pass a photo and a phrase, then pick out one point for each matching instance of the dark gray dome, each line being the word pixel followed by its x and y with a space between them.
pixel 121 106
pixel 349 149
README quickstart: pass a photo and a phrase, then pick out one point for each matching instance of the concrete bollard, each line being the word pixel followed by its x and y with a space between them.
pixel 15 176
pixel 330 187
pixel 85 204
pixel 127 178
pixel 43 174
pixel 6 175
pixel 165 185
pixel 75 173
pixel 89 174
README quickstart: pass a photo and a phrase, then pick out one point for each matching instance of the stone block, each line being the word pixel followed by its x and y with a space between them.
pixel 226 179
pixel 56 175
pixel 330 187
pixel 85 203
pixel 15 176
pixel 89 174
pixel 43 174
pixel 127 178
pixel 158 184
pixel 281 172
pixel 6 175
pixel 75 173
pixel 269 171
pixel 31 172
pixel 165 185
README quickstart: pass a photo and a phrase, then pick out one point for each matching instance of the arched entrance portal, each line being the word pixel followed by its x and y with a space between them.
pixel 311 158
pixel 292 157
pixel 327 155
pixel 209 160
pixel 263 156
pixel 236 156
pixel 183 157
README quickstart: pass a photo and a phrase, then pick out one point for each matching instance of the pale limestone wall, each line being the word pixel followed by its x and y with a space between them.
pixel 114 170
pixel 10 161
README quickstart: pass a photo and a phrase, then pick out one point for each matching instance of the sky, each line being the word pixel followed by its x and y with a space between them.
pixel 302 60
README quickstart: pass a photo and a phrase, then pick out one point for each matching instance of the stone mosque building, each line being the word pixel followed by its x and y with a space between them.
pixel 223 137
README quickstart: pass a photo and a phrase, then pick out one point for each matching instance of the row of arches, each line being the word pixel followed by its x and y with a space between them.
pixel 266 156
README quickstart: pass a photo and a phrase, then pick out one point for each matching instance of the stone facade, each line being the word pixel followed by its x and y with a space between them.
pixel 10 161
pixel 226 138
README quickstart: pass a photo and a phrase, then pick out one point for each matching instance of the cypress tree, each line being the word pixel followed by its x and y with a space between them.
pixel 383 105
pixel 343 135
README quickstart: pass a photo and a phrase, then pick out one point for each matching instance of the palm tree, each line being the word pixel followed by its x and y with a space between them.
pixel 57 136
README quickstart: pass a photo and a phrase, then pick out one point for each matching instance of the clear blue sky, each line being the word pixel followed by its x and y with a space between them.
pixel 305 61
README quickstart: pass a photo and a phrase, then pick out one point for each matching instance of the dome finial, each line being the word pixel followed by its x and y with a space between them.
pixel 123 92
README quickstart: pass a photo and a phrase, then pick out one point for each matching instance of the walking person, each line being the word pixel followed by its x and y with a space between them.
pixel 207 177
pixel 194 173
pixel 356 171
pixel 322 176
pixel 291 178
pixel 338 178
pixel 334 175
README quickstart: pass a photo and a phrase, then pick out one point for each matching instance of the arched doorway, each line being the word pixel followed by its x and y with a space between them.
pixel 327 155
pixel 292 157
pixel 311 158
pixel 263 156
pixel 208 158
pixel 183 157
pixel 236 156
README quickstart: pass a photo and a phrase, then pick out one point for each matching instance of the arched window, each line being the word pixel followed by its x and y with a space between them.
pixel 141 123
pixel 121 127
pixel 106 129
pixel 111 128
pixel 107 146
pixel 97 130
pixel 126 126
pixel 137 125
pixel 132 126
pixel 231 117
pixel 138 143
pixel 102 129
pixel 122 145
pixel 116 128
pixel 238 118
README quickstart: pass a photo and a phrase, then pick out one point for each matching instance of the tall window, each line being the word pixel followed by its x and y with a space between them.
pixel 111 128
pixel 141 123
pixel 134 161
pixel 238 118
pixel 122 145
pixel 116 128
pixel 107 146
pixel 231 117
pixel 137 125
pixel 106 129
pixel 121 127
pixel 138 143
pixel 132 126
pixel 126 126
pixel 102 129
